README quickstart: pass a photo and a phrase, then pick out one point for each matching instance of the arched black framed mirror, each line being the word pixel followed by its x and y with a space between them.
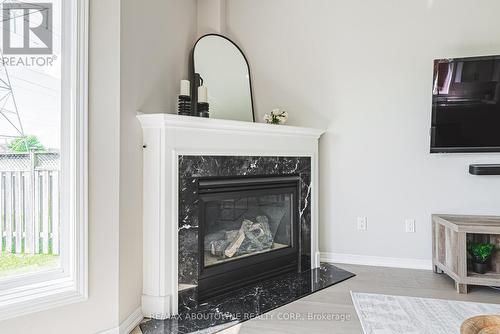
pixel 220 65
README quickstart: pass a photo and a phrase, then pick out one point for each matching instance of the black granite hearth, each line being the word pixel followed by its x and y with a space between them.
pixel 224 311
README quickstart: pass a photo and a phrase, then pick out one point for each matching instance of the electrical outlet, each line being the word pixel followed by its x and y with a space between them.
pixel 362 224
pixel 410 225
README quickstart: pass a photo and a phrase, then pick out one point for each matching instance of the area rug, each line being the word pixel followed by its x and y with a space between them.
pixel 384 314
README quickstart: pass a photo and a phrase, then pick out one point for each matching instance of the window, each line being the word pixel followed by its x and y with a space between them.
pixel 42 154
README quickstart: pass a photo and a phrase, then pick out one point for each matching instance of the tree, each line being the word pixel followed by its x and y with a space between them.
pixel 26 144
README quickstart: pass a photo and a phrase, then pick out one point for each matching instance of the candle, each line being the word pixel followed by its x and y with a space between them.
pixel 202 94
pixel 185 88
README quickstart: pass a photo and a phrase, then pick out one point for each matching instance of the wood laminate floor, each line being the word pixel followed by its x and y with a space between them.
pixel 331 310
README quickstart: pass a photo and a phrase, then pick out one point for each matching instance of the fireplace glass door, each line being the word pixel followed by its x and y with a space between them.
pixel 248 230
pixel 246 225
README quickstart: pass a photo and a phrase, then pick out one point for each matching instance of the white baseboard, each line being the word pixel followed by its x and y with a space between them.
pixel 376 261
pixel 128 324
pixel 131 322
pixel 115 330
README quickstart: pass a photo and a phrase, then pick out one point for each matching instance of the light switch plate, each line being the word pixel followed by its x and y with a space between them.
pixel 410 225
pixel 362 224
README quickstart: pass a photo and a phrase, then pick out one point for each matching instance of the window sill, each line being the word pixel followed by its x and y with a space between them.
pixel 39 297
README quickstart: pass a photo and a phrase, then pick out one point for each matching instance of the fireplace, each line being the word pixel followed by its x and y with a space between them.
pixel 248 230
pixel 174 164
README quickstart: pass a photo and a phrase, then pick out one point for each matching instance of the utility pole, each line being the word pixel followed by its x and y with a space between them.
pixel 10 120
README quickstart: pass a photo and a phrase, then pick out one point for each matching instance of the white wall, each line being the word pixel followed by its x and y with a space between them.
pixel 363 69
pixel 155 43
pixel 211 16
pixel 100 311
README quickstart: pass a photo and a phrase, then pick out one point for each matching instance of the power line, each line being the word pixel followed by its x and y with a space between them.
pixel 15 122
pixel 11 112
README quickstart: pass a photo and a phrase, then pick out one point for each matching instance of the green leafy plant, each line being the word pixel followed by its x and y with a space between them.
pixel 26 144
pixel 481 253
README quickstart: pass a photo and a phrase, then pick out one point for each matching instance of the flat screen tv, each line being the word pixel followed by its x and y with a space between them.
pixel 466 105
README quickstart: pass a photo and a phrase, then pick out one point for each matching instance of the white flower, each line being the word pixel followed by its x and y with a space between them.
pixel 277 116
pixel 284 117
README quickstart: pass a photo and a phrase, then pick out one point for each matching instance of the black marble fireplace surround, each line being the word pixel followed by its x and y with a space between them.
pixel 217 312
pixel 194 168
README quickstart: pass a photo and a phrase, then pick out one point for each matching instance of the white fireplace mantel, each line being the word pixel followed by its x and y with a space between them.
pixel 166 137
pixel 199 123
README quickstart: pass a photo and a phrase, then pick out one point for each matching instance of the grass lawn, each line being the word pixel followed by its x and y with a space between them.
pixel 20 263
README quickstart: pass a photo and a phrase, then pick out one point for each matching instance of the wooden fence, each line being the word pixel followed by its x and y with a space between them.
pixel 29 205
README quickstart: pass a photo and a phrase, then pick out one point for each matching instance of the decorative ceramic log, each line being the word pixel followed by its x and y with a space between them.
pixel 211 237
pixel 235 245
pixel 258 236
pixel 218 247
pixel 250 238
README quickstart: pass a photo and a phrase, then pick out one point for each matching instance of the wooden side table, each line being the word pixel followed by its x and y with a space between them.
pixel 450 234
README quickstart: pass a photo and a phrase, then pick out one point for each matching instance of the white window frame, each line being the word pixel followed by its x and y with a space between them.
pixel 34 292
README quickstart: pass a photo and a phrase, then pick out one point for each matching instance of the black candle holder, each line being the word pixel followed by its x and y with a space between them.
pixel 202 110
pixel 184 107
